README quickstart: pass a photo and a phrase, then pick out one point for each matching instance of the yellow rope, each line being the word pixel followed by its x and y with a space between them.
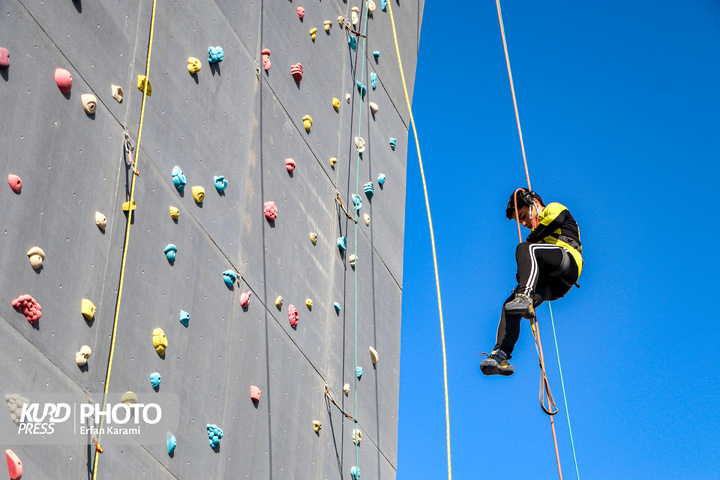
pixel 432 241
pixel 127 235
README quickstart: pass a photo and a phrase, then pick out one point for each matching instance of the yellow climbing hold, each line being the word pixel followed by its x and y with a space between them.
pixel 142 83
pixel 198 194
pixel 309 303
pixel 307 122
pixel 174 212
pixel 129 398
pixel 194 65
pixel 160 341
pixel 333 161
pixel 279 302
pixel 126 206
pixel 313 238
pixel 88 309
pixel 341 20
pixel 317 426
pixel 328 25
pixel 336 104
pixel 313 32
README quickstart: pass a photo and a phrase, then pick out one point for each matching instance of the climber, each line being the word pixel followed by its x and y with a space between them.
pixel 549 263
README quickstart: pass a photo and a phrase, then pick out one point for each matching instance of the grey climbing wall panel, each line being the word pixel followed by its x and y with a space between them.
pixel 232 119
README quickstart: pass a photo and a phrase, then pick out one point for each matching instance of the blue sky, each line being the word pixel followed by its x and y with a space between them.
pixel 620 109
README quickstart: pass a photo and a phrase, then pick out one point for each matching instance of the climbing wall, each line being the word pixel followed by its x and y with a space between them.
pixel 232 119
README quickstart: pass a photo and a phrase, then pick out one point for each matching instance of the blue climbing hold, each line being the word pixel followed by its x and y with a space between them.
pixel 171 443
pixel 355 473
pixel 352 41
pixel 170 252
pixel 362 89
pixel 358 372
pixel 337 307
pixel 215 54
pixel 220 183
pixel 383 4
pixel 376 54
pixel 369 189
pixel 215 433
pixel 155 379
pixel 381 179
pixel 357 201
pixel 230 277
pixel 373 80
pixel 179 179
pixel 342 243
pixel 393 143
pixel 184 317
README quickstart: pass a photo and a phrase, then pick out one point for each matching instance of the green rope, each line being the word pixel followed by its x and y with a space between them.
pixel 562 382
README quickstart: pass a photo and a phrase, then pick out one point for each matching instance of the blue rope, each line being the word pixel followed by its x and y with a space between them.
pixel 562 382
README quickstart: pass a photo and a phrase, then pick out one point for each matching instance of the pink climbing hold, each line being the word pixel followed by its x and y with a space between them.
pixel 271 211
pixel 245 299
pixel 63 78
pixel 255 393
pixel 301 12
pixel 4 58
pixel 29 307
pixel 15 467
pixel 15 183
pixel 290 164
pixel 297 72
pixel 266 59
pixel 293 316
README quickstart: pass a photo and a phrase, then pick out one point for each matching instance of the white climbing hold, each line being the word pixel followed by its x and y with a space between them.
pixel 100 221
pixel 374 108
pixel 360 144
pixel 347 97
pixel 117 93
pixel 354 13
pixel 82 356
pixel 346 389
pixel 374 355
pixel 367 219
pixel 357 436
pixel 37 257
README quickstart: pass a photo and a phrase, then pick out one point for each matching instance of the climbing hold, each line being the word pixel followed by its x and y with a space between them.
pixel 16 403
pixel 229 277
pixel 178 178
pixel 376 54
pixel 374 355
pixel 358 372
pixel 170 252
pixel 63 78
pixel 342 243
pixel 279 302
pixel 129 398
pixel 174 212
pixel 82 356
pixel 198 194
pixel 15 183
pixel 336 104
pixel 184 318
pixel 354 12
pixel 100 220
pixel 160 341
pixel 333 161
pixel 313 238
pixel 5 57
pixel 271 210
pixel 143 82
pixel 245 299
pixel 313 33
pixel 127 207
pixel 341 21
pixel 352 41
pixel 37 256
pixel 266 59
pixel 362 89
pixel 297 72
pixel 347 97
pixel 309 303
pixel 346 389
pixel 171 443
pixel 317 426
pixel 360 144
pixel 328 25
pixel 215 433
pixel 215 54
pixel 155 379
pixel 117 93
pixel 381 179
pixel 374 108
pixel 88 309
pixel 337 307
pixel 89 102
pixel 220 183
pixel 301 12
pixel 383 4
pixel 371 6
pixel 369 189
pixel 15 466
pixel 194 65
pixel 355 473
pixel 352 260
pixel 29 307
pixel 307 122
pixel 357 201
pixel 289 164
pixel 356 436
pixel 255 393
pixel 367 219
pixel 393 143
pixel 293 316
pixel 373 80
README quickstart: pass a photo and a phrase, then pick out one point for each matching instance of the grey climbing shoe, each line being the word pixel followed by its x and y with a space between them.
pixel 521 305
pixel 497 364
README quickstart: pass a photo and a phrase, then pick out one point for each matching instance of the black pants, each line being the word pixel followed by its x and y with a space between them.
pixel 540 277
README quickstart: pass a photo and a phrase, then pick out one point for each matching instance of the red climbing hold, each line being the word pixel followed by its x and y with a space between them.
pixel 266 59
pixel 290 164
pixel 15 183
pixel 297 72
pixel 29 307
pixel 63 78
pixel 15 467
pixel 245 299
pixel 271 210
pixel 301 12
pixel 293 316
pixel 255 393
pixel 4 58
